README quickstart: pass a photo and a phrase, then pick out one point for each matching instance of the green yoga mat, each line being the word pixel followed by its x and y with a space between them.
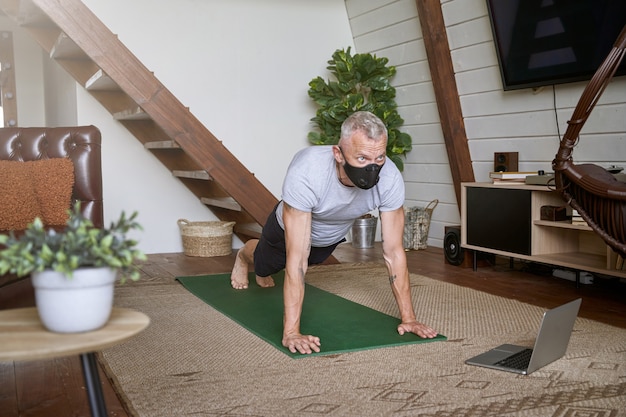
pixel 341 325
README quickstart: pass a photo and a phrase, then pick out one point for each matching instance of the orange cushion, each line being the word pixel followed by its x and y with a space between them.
pixel 32 189
pixel 18 204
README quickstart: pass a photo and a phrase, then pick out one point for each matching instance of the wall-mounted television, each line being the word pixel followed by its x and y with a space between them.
pixel 545 42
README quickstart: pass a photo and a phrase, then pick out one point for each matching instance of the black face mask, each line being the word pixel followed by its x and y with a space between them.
pixel 363 177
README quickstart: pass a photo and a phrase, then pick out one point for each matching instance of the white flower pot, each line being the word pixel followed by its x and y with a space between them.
pixel 77 304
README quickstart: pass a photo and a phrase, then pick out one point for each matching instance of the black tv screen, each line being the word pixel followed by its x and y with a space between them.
pixel 545 42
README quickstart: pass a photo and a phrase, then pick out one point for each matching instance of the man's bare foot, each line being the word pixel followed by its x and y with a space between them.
pixel 265 282
pixel 239 276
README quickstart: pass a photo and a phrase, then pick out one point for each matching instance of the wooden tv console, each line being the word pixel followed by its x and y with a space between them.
pixel 504 219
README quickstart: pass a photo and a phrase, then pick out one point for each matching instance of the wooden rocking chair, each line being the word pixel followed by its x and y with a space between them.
pixel 590 189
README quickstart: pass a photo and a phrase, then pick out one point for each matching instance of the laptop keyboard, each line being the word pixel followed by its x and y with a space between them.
pixel 518 360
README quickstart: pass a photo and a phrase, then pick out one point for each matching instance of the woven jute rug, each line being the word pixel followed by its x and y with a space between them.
pixel 193 361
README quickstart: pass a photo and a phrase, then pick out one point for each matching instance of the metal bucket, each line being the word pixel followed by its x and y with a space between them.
pixel 364 232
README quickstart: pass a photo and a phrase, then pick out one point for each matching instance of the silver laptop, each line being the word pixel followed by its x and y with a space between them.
pixel 551 344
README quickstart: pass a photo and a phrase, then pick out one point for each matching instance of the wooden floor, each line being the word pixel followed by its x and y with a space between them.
pixel 56 388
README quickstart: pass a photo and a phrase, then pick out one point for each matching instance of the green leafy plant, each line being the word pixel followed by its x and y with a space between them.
pixel 362 82
pixel 79 244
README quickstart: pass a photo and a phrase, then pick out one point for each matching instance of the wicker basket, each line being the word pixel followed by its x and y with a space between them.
pixel 417 225
pixel 206 239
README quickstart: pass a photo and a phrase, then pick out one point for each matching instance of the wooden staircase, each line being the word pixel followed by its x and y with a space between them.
pixel 76 39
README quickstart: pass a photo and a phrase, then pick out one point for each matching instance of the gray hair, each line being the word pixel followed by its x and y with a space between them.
pixel 365 122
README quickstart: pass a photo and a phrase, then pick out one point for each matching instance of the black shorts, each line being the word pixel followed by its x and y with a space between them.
pixel 270 255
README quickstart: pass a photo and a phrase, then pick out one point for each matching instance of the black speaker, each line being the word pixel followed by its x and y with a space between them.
pixel 505 161
pixel 455 254
pixel 458 256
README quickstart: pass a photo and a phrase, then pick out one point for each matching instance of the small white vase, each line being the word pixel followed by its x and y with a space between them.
pixel 78 304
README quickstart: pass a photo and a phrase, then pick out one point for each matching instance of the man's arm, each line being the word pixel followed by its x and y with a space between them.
pixel 298 245
pixel 392 227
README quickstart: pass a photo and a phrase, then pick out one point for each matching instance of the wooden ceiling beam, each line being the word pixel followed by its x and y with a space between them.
pixel 446 93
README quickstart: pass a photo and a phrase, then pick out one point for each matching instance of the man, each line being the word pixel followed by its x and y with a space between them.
pixel 325 189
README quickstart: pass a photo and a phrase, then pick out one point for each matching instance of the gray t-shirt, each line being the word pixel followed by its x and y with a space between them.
pixel 311 185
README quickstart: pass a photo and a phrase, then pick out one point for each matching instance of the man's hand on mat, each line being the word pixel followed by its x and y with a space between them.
pixel 304 344
pixel 418 328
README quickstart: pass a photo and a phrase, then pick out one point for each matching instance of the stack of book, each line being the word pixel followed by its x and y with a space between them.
pixel 577 218
pixel 512 177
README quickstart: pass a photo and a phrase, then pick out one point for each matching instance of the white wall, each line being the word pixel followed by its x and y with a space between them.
pixel 241 66
pixel 29 84
pixel 495 120
pixel 60 95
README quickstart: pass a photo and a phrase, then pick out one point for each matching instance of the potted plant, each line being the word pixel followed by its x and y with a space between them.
pixel 73 270
pixel 362 82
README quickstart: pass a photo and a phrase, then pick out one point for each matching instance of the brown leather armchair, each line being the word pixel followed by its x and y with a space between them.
pixel 81 144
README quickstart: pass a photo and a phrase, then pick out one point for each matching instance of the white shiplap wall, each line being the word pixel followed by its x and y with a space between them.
pixel 526 121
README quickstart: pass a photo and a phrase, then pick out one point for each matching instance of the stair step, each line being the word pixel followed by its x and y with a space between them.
pixel 223 202
pixel 131 114
pixel 162 144
pixel 66 48
pixel 248 229
pixel 195 175
pixel 101 82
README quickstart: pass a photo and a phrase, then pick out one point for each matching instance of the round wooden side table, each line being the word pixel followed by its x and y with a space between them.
pixel 24 338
